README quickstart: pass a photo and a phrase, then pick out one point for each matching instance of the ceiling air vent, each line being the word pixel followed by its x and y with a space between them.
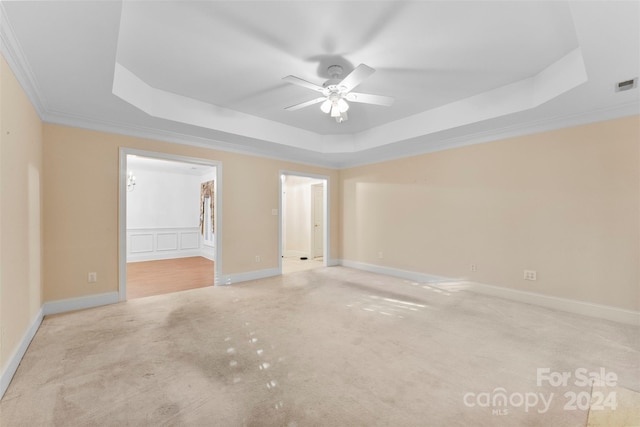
pixel 626 85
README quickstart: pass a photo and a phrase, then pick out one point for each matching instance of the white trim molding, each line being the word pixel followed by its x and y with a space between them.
pixel 290 253
pixel 18 354
pixel 18 63
pixel 333 262
pixel 150 244
pixel 79 303
pixel 337 152
pixel 395 272
pixel 230 279
pixel 51 307
pixel 122 210
pixel 598 311
pixel 326 211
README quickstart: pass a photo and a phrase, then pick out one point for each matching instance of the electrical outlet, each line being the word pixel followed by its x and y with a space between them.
pixel 380 255
pixel 473 267
pixel 530 275
pixel 92 277
pixel 257 258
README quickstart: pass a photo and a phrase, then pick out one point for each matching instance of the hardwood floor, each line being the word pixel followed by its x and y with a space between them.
pixel 172 275
pixel 149 278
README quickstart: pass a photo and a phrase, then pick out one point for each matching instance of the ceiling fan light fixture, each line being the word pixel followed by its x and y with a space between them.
pixel 343 106
pixel 335 110
pixel 326 106
pixel 337 91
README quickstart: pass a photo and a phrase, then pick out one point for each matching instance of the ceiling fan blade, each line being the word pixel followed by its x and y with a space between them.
pixel 365 98
pixel 305 104
pixel 356 77
pixel 298 81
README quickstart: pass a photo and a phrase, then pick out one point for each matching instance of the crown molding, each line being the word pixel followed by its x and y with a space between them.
pixel 424 144
pixel 13 54
pixel 388 152
pixel 266 150
pixel 418 146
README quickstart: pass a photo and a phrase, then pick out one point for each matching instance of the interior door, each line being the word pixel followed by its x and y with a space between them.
pixel 317 197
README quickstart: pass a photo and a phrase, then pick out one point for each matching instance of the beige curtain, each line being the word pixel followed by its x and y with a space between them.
pixel 206 190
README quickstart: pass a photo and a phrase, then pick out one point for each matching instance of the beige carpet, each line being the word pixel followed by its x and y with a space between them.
pixel 623 408
pixel 295 264
pixel 325 347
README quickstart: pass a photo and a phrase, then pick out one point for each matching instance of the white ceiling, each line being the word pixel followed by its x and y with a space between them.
pixel 210 72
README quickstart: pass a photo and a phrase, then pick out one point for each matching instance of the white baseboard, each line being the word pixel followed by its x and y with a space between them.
pixel 16 357
pixel 71 304
pixel 563 304
pixel 158 256
pixel 333 262
pixel 403 274
pixel 208 252
pixel 230 279
pixel 208 256
pixel 297 254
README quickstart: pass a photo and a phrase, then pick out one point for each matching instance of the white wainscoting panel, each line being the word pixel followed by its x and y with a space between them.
pixel 190 240
pixel 140 243
pixel 167 241
pixel 150 244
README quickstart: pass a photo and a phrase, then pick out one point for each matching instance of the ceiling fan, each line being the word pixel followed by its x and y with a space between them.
pixel 337 91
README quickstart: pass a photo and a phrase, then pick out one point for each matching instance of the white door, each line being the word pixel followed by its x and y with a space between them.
pixel 317 214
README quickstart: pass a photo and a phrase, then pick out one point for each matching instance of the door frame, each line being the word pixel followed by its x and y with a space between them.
pixel 312 236
pixel 326 209
pixel 122 210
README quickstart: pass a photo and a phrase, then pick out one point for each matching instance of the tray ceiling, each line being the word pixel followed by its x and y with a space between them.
pixel 210 73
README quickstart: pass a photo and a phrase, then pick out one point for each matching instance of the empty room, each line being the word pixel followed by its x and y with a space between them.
pixel 319 213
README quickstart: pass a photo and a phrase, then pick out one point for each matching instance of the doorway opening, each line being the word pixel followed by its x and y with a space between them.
pixel 169 226
pixel 304 222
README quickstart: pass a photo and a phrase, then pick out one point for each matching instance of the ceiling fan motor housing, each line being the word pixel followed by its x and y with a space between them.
pixel 337 91
pixel 335 71
pixel 331 85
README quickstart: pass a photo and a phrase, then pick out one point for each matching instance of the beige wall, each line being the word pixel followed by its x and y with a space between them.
pixel 564 203
pixel 81 208
pixel 20 214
